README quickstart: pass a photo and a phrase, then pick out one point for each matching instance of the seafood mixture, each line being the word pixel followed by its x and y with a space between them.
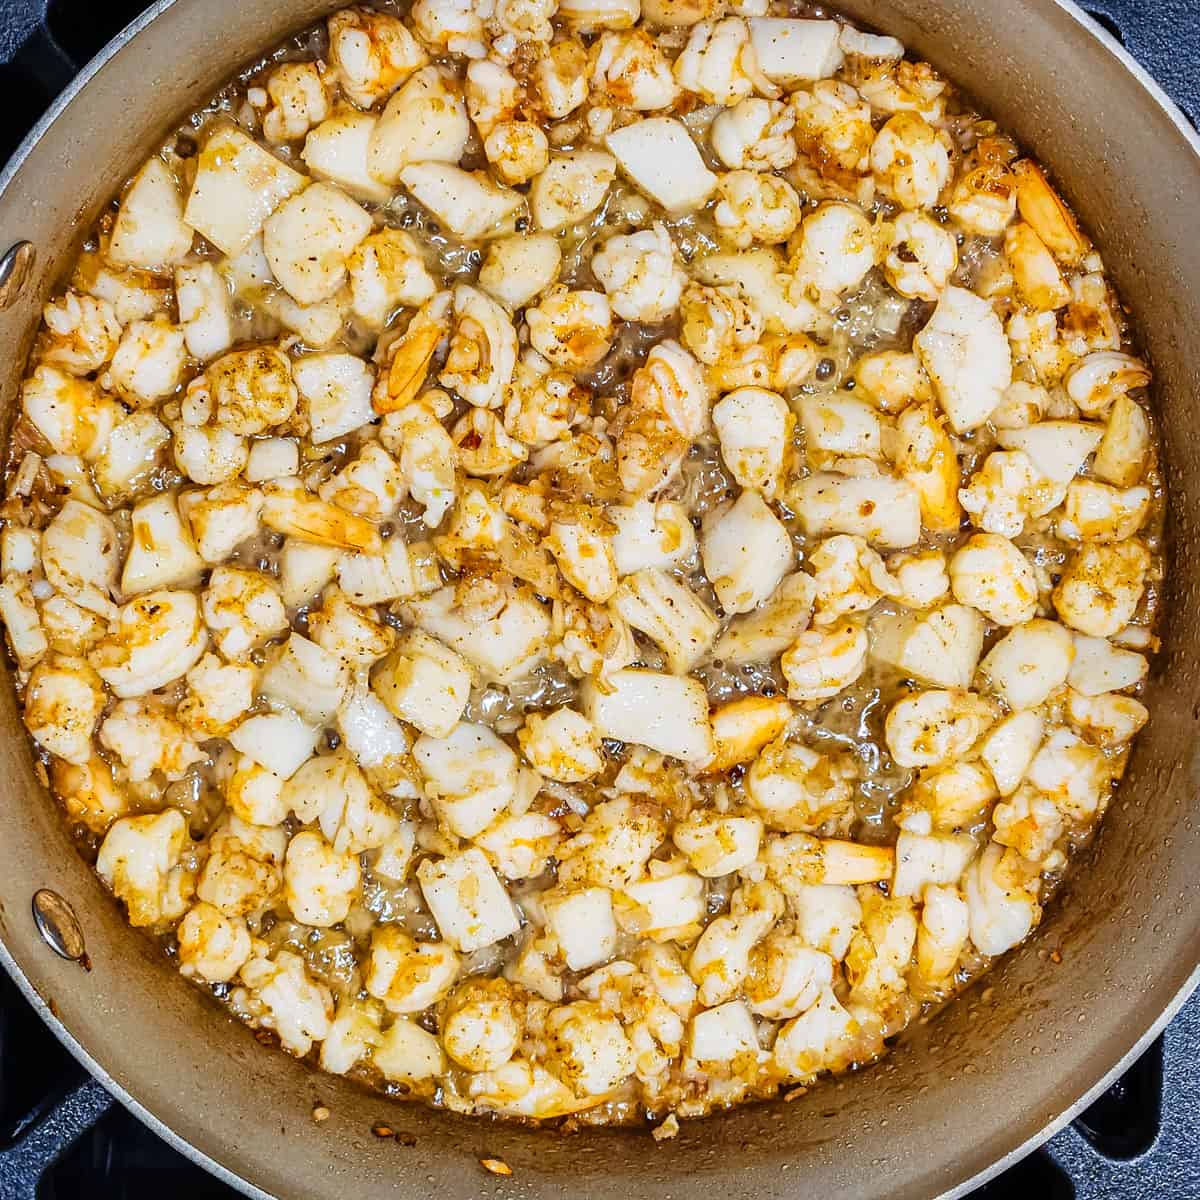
pixel 584 558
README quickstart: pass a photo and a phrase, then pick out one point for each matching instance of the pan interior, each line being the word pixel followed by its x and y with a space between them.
pixel 977 1082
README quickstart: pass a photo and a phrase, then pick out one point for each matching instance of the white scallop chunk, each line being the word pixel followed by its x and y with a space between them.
pixel 790 50
pixel 518 268
pixel 281 742
pixel 470 775
pixel 337 392
pixel 720 1034
pixel 658 154
pixel 651 534
pixel 762 635
pixel 562 744
pixel 423 682
pixel 1057 449
pixel 408 1054
pixel 668 612
pixel 336 151
pixel 130 455
pixel 717 845
pixel 884 510
pixel 1009 747
pixel 161 551
pixel 504 647
pixel 468 205
pixel 1100 667
pixel 309 239
pixel 583 924
pixel 746 553
pixel 668 713
pixel 841 425
pixel 238 185
pixel 425 121
pixel 664 909
pixel 1030 663
pixel 306 678
pixel 941 647
pixel 966 353
pixel 827 914
pixel 150 231
pixel 467 900
pixel 923 860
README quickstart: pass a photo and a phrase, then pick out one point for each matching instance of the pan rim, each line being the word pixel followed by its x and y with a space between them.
pixel 1176 999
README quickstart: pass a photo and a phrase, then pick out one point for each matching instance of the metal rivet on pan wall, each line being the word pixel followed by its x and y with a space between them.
pixel 15 268
pixel 58 925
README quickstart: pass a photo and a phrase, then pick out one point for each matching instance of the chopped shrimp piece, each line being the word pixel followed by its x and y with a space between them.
pixel 640 274
pixel 140 860
pixel 822 663
pixel 754 427
pixel 943 934
pixel 754 135
pixel 371 53
pixel 1002 907
pixel 1029 663
pixel 834 249
pixel 212 946
pixel 921 258
pixel 1102 586
pixel 573 330
pixel 632 71
pixel 926 458
pixel 153 640
pixel 935 727
pixel 319 883
pixel 82 333
pixel 63 702
pixel 281 995
pixel 990 573
pixel 911 161
pixel 483 349
pixel 299 100
pixel 795 788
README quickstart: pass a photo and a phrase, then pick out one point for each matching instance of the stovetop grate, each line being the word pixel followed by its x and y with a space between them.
pixel 63 1138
